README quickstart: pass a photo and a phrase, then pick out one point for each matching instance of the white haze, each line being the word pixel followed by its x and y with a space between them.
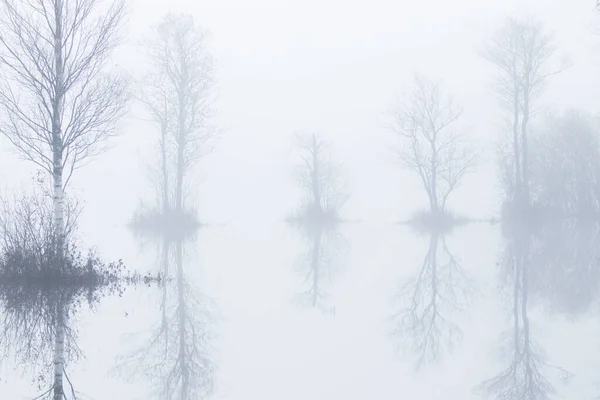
pixel 335 67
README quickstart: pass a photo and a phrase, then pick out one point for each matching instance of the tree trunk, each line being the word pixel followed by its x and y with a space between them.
pixel 316 256
pixel 183 362
pixel 434 198
pixel 57 140
pixel 524 150
pixel 433 246
pixel 516 147
pixel 165 171
pixel 315 175
pixel 59 350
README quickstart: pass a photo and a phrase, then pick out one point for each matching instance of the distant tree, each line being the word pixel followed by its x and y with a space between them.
pixel 57 104
pixel 432 150
pixel 565 170
pixel 319 177
pixel 521 51
pixel 177 94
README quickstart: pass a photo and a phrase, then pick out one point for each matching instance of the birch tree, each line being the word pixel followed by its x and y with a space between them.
pixel 432 149
pixel 177 93
pixel 57 104
pixel 521 51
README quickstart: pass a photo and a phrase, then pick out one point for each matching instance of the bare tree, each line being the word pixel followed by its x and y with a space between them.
pixel 435 152
pixel 319 177
pixel 57 105
pixel 441 285
pixel 521 51
pixel 177 92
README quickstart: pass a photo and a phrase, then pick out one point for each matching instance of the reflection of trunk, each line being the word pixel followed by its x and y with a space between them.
pixel 439 284
pixel 165 271
pixel 182 316
pixel 315 265
pixel 516 316
pixel 526 375
pixel 528 357
pixel 57 110
pixel 433 246
pixel 59 350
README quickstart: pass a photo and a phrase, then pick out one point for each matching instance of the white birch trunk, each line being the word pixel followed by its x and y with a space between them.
pixel 58 205
pixel 59 351
pixel 57 139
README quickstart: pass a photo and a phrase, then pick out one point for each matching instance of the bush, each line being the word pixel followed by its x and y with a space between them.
pixel 565 166
pixel 313 214
pixel 440 221
pixel 32 254
pixel 176 224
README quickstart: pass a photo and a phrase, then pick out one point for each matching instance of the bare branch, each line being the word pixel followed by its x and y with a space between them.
pixel 437 155
pixel 521 51
pixel 54 54
pixel 177 94
pixel 319 177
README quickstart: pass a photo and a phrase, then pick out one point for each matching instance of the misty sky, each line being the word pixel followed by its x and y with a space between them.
pixel 334 67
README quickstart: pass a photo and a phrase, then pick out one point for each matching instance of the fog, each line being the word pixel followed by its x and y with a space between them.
pixel 311 255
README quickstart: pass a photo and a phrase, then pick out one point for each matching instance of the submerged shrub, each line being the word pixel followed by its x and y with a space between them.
pixel 32 254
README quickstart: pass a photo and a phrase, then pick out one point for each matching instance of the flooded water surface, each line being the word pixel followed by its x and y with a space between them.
pixel 356 311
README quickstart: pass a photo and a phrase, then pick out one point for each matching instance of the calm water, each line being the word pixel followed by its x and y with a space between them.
pixel 367 311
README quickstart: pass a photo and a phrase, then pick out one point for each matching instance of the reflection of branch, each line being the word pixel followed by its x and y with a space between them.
pixel 36 333
pixel 524 377
pixel 565 273
pixel 423 325
pixel 317 263
pixel 176 356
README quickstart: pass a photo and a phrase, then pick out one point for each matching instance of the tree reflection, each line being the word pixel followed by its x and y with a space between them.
pixel 37 328
pixel 564 265
pixel 528 374
pixel 426 324
pixel 175 355
pixel 317 265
